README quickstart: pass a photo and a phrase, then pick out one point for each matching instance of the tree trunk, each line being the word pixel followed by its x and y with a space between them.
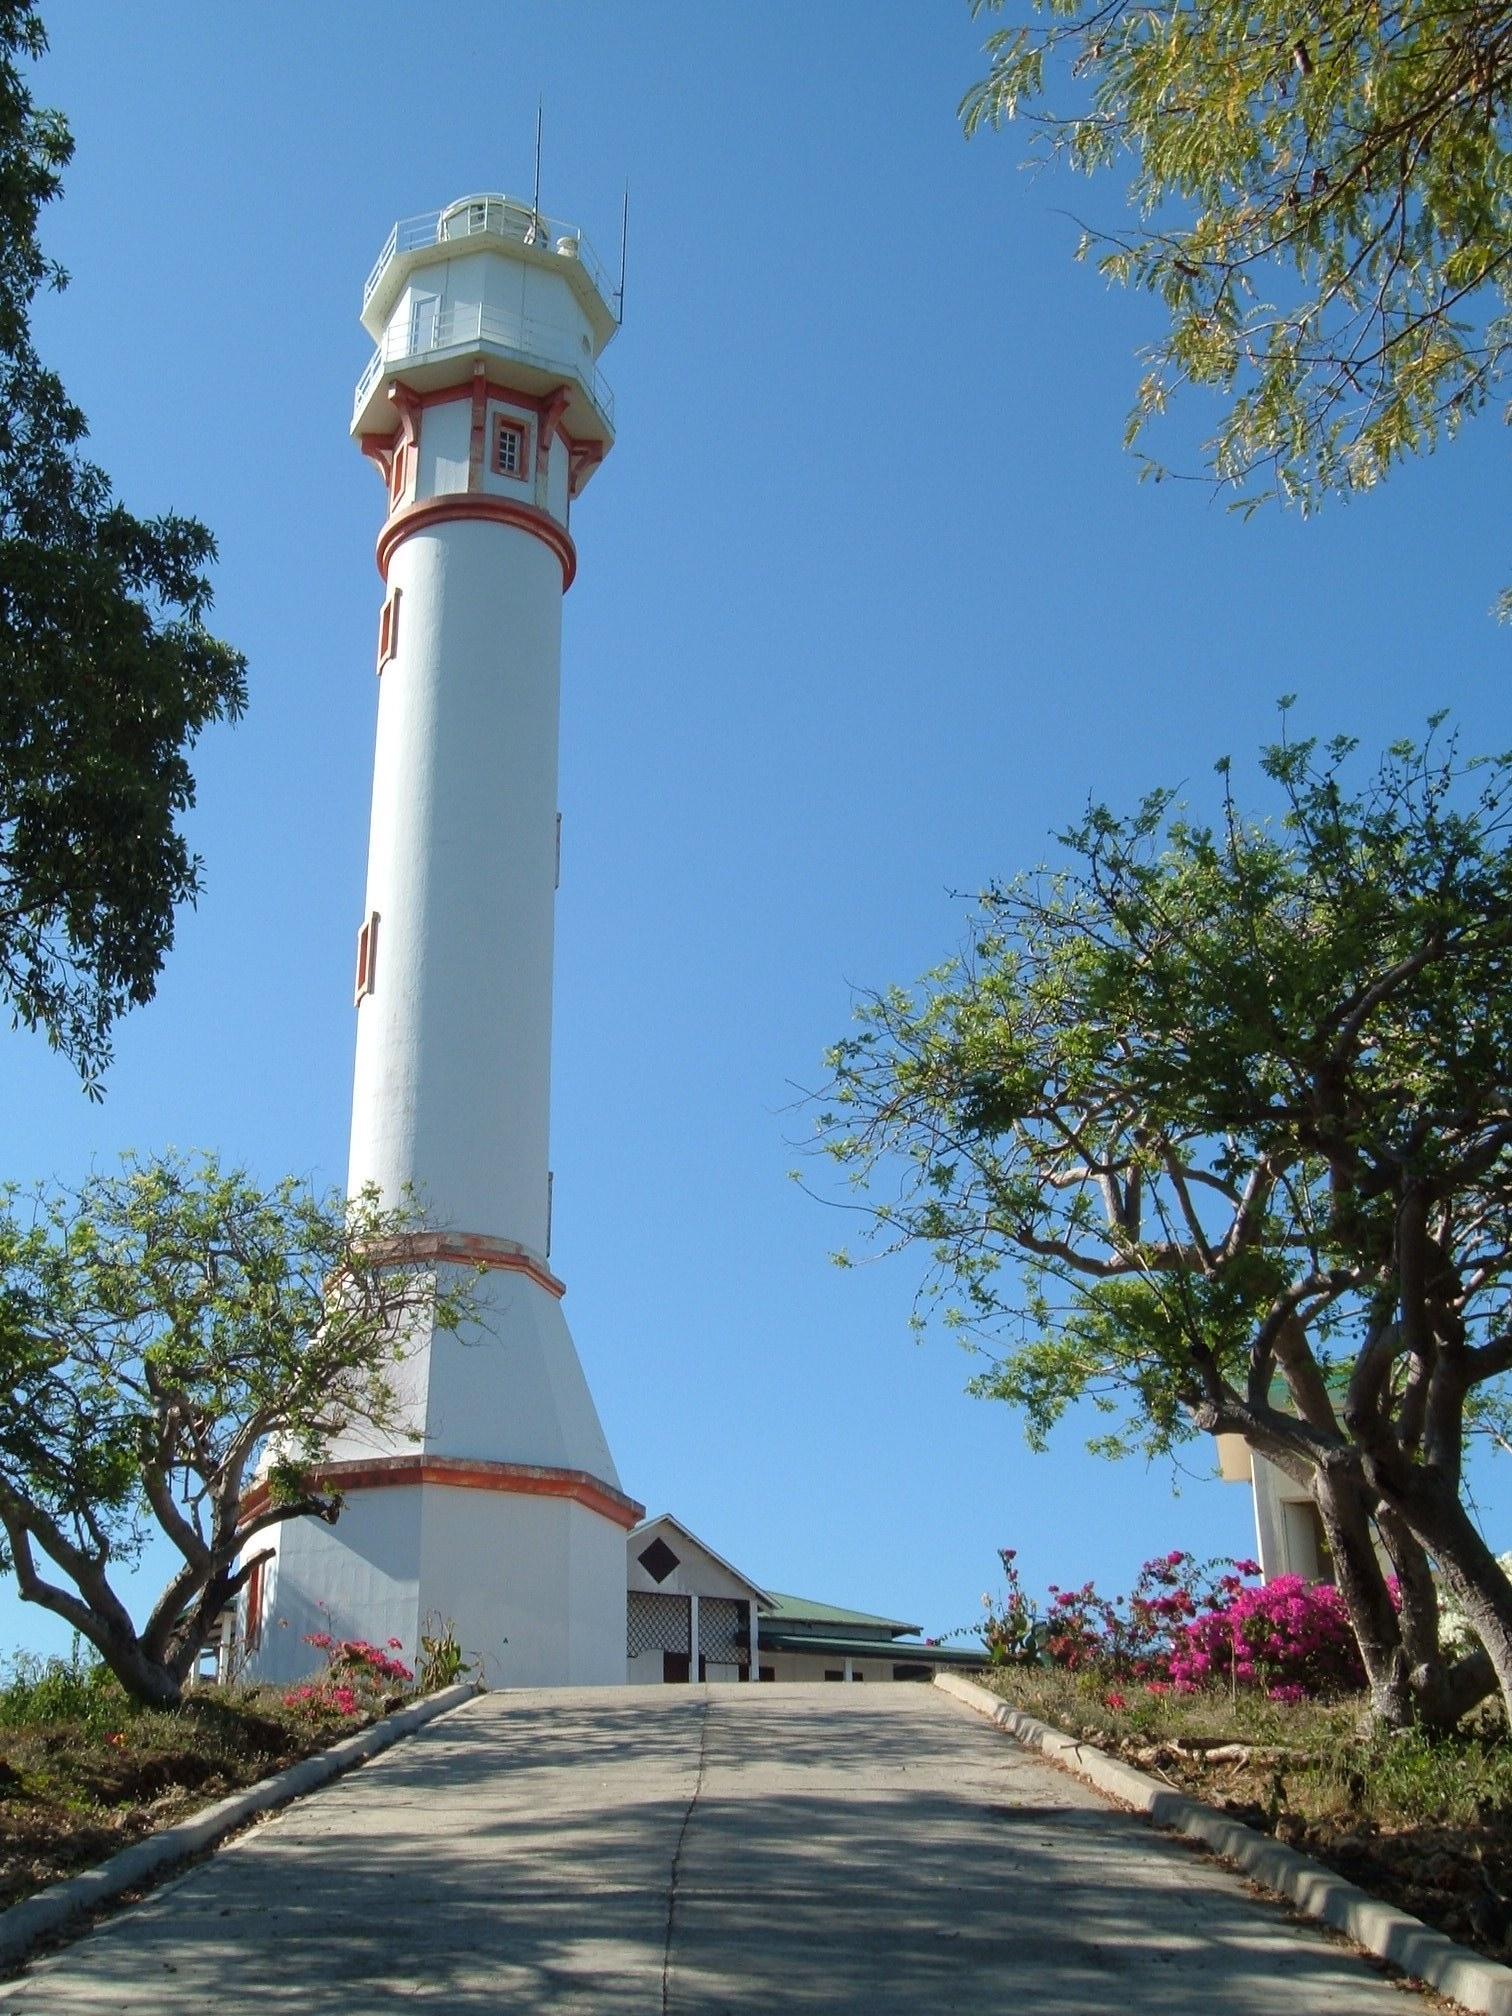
pixel 146 1680
pixel 1443 1691
pixel 1362 1585
pixel 1434 1513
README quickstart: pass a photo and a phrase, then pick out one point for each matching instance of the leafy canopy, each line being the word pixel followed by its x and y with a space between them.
pixel 1213 1125
pixel 1322 204
pixel 160 1330
pixel 107 672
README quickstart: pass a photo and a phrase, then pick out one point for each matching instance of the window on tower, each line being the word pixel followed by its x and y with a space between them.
pixel 254 1620
pixel 367 955
pixel 399 472
pixel 388 629
pixel 509 446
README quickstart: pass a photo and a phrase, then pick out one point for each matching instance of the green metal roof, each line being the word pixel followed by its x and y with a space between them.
pixel 901 1650
pixel 803 1610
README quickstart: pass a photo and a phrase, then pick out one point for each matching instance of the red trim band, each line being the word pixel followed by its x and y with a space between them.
pixel 483 505
pixel 523 1480
pixel 473 1249
pixel 533 402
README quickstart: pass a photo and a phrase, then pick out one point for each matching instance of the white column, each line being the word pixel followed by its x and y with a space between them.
pixel 848 1673
pixel 452 1086
pixel 753 1671
pixel 693 1639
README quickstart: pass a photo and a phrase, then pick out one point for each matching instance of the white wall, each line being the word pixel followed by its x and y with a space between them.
pixel 445 446
pixel 532 1583
pixel 356 1579
pixel 510 1386
pixel 533 1586
pixel 1286 1526
pixel 452 1084
pixel 530 303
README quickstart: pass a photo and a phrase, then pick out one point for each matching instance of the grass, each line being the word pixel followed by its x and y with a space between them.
pixel 84 1771
pixel 1425 1822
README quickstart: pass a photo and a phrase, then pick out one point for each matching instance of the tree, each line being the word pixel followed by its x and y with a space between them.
pixel 1322 203
pixel 1212 1127
pixel 107 673
pixel 159 1329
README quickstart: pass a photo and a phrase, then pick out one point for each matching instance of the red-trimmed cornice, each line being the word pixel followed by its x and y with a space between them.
pixel 461 1473
pixel 471 1249
pixel 452 395
pixel 532 402
pixel 379 449
pixel 407 406
pixel 459 504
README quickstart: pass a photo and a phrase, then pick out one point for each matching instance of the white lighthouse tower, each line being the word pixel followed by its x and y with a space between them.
pixel 498 1509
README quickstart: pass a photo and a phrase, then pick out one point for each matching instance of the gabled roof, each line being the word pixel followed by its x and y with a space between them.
pixel 803 1610
pixel 638 1533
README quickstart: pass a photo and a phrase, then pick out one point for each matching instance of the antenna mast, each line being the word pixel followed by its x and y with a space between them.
pixel 535 201
pixel 619 299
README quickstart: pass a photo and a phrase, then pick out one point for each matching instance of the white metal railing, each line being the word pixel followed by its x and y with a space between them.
pixel 431 331
pixel 489 216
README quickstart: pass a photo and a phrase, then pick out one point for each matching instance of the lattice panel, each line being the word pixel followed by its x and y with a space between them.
pixel 657 1623
pixel 720 1619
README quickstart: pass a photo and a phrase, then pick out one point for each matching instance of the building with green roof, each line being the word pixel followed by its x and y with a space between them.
pixel 690 1613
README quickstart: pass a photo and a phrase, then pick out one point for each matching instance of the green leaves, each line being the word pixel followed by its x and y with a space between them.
pixel 160 1329
pixel 1167 1108
pixel 1323 205
pixel 107 674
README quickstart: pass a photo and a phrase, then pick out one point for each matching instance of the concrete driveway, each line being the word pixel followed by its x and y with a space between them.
pixel 691 1849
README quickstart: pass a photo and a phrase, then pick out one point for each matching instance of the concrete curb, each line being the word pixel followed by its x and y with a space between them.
pixel 1428 1956
pixel 51 1909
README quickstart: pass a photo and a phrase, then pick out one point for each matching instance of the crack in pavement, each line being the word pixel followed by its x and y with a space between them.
pixel 677 1855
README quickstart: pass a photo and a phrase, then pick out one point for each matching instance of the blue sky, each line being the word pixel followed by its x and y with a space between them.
pixel 869 602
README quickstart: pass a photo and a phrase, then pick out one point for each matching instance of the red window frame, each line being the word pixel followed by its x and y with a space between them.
pixel 367 956
pixel 506 424
pixel 388 629
pixel 255 1605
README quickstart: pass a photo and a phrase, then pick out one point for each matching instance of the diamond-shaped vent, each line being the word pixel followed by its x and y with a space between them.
pixel 658 1560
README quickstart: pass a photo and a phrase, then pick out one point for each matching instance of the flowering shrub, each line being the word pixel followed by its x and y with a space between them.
pixel 1292 1638
pixel 1186 1624
pixel 358 1678
pixel 1009 1630
pixel 1126 1638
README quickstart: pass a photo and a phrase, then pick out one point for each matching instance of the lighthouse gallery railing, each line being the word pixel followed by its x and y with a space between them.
pixel 491 216
pixel 529 342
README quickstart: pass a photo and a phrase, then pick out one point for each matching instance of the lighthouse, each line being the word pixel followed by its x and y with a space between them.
pixel 494 1507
